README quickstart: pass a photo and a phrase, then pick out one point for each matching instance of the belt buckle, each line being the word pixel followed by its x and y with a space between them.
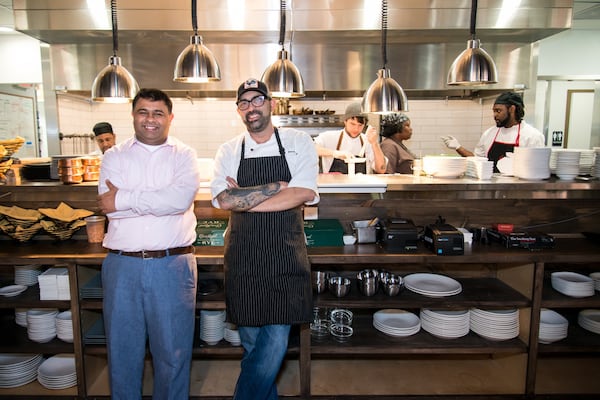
pixel 146 255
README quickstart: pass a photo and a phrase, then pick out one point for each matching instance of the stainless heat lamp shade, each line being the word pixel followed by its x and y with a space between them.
pixel 385 95
pixel 283 78
pixel 474 66
pixel 196 63
pixel 114 84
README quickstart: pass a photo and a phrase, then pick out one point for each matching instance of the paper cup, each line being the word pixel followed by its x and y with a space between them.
pixel 94 226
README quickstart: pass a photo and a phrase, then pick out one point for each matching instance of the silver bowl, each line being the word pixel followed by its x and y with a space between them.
pixel 393 285
pixel 339 286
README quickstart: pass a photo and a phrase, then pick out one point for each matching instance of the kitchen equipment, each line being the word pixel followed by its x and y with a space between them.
pixel 393 284
pixel 339 286
pixel 400 235
pixel 444 239
pixel 364 232
pixel 352 164
pixel 319 281
pixel 368 281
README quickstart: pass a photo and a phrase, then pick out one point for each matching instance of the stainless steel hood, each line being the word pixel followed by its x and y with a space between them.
pixel 336 44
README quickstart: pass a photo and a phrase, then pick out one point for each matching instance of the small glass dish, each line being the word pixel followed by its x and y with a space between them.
pixel 340 332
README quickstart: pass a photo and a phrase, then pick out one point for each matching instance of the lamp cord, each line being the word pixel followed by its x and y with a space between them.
pixel 194 18
pixel 473 17
pixel 113 11
pixel 282 23
pixel 384 7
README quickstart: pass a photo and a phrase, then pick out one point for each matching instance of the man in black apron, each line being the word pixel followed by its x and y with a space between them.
pixel 263 177
pixel 336 146
pixel 510 131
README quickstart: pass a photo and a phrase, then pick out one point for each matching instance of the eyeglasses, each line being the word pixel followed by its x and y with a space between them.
pixel 256 101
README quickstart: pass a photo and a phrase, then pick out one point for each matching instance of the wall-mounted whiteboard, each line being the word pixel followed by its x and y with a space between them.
pixel 17 118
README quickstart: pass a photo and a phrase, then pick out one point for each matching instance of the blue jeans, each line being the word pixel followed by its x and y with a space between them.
pixel 154 300
pixel 264 350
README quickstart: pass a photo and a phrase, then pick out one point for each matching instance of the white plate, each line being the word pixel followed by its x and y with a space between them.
pixel 12 290
pixel 432 285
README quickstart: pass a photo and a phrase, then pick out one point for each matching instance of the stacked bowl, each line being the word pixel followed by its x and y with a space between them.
pixel 553 326
pixel 531 163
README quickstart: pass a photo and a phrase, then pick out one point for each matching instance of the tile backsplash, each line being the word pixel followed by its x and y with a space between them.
pixel 205 124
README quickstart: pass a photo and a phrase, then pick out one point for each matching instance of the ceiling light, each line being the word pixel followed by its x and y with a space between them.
pixel 385 95
pixel 114 84
pixel 474 66
pixel 282 77
pixel 196 63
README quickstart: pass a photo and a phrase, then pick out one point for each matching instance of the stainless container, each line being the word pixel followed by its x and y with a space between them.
pixel 365 231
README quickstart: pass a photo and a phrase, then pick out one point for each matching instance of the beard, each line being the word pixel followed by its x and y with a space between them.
pixel 257 125
pixel 503 123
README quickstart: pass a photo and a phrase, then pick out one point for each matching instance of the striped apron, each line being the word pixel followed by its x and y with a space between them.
pixel 267 272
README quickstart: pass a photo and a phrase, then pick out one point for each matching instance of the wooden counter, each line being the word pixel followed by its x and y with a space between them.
pixel 492 277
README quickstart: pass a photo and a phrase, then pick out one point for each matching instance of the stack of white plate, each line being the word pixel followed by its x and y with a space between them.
pixel 444 166
pixel 18 369
pixel 27 274
pixel 12 290
pixel 572 284
pixel 212 326
pixel 495 324
pixel 531 163
pixel 231 334
pixel 565 163
pixel 396 322
pixel 446 324
pixel 21 316
pixel 590 320
pixel 553 326
pixel 586 162
pixel 58 372
pixel 596 278
pixel 64 326
pixel 432 285
pixel 596 167
pixel 41 326
pixel 479 167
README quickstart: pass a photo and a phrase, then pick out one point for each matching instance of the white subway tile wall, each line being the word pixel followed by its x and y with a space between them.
pixel 205 124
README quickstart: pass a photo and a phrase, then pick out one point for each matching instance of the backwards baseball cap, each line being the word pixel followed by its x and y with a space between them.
pixel 253 85
pixel 354 110
pixel 102 127
pixel 510 98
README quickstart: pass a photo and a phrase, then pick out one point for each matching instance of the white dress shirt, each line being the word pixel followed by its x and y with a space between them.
pixel 155 200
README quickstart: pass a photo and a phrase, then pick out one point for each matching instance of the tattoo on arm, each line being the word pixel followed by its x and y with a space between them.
pixel 242 199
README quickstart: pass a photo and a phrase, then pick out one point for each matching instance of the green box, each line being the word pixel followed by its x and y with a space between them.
pixel 323 232
pixel 210 232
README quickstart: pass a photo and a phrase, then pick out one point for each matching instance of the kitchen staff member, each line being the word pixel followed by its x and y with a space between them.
pixel 510 131
pixel 336 146
pixel 264 176
pixel 105 137
pixel 395 128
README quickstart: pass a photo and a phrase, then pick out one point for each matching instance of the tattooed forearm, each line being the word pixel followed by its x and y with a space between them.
pixel 242 199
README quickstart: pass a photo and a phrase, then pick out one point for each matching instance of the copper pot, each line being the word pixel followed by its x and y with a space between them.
pixel 70 162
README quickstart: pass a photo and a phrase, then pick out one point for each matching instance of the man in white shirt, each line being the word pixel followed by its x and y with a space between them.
pixel 336 146
pixel 510 131
pixel 147 189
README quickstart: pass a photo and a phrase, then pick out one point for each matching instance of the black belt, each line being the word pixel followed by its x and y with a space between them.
pixel 155 253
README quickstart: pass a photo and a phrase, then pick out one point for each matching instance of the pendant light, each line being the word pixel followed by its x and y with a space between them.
pixel 385 95
pixel 282 77
pixel 474 66
pixel 114 84
pixel 196 63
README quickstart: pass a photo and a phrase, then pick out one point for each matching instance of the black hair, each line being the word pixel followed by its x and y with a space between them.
pixel 153 95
